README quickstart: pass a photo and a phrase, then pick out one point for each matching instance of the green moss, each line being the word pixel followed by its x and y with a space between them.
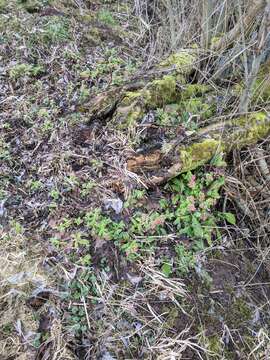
pixel 183 61
pixel 198 154
pixel 131 109
pixel 261 87
pixel 251 129
pixel 215 40
pixel 134 104
pixel 21 70
pixel 106 17
pixel 86 17
pixel 197 106
pixel 93 36
pixel 132 96
pixel 3 5
pixel 126 117
pixel 162 91
pixel 131 119
pixel 239 313
pixel 173 314
pixel 194 90
pixel 214 345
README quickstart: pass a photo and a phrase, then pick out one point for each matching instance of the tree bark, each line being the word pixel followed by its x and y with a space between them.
pixel 170 83
pixel 158 166
pixel 255 9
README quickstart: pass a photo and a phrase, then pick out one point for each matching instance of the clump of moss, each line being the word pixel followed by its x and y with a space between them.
pixel 215 40
pixel 182 61
pixel 214 345
pixel 106 17
pixel 198 154
pixel 163 91
pixel 155 95
pixel 251 129
pixel 21 70
pixel 173 314
pixel 194 90
pixel 3 5
pixel 239 313
pixel 93 36
pixel 199 107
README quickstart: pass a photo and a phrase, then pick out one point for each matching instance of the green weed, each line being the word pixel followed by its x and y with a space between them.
pixel 21 70
pixel 34 185
pixel 5 154
pixel 65 224
pixel 193 199
pixel 106 17
pixel 79 289
pixel 79 240
pixel 55 30
pixel 188 209
pixel 55 194
pixel 87 188
pixel 185 259
pixel 16 227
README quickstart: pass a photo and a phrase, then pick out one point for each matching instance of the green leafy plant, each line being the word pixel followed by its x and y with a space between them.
pixel 35 185
pixel 79 240
pixel 4 151
pixel 55 194
pixel 167 268
pixel 55 30
pixel 87 188
pixel 193 198
pixel 106 17
pixel 97 164
pixel 79 289
pixel 185 259
pixel 64 225
pixel 102 226
pixel 229 217
pixel 134 198
pixel 20 70
pixel 16 227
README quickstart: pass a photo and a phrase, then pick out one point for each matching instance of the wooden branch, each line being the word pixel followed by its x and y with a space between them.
pixel 156 167
pixel 254 10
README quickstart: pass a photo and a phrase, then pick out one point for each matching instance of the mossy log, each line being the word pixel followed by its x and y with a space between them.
pixel 158 166
pixel 155 88
pixel 171 83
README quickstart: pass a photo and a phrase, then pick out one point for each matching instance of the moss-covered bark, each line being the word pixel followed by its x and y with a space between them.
pixel 218 138
pixel 128 106
pixel 159 92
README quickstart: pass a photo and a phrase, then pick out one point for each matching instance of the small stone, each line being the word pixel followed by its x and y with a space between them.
pixel 115 204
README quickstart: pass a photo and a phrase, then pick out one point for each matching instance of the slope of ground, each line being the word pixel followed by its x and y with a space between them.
pixel 94 267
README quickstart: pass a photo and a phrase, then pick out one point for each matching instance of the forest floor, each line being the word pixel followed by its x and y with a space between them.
pixel 91 266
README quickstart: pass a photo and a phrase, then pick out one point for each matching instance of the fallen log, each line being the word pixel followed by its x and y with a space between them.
pixel 155 88
pixel 158 166
pixel 171 83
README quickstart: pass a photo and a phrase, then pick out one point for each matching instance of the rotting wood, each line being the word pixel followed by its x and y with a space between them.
pixel 157 167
